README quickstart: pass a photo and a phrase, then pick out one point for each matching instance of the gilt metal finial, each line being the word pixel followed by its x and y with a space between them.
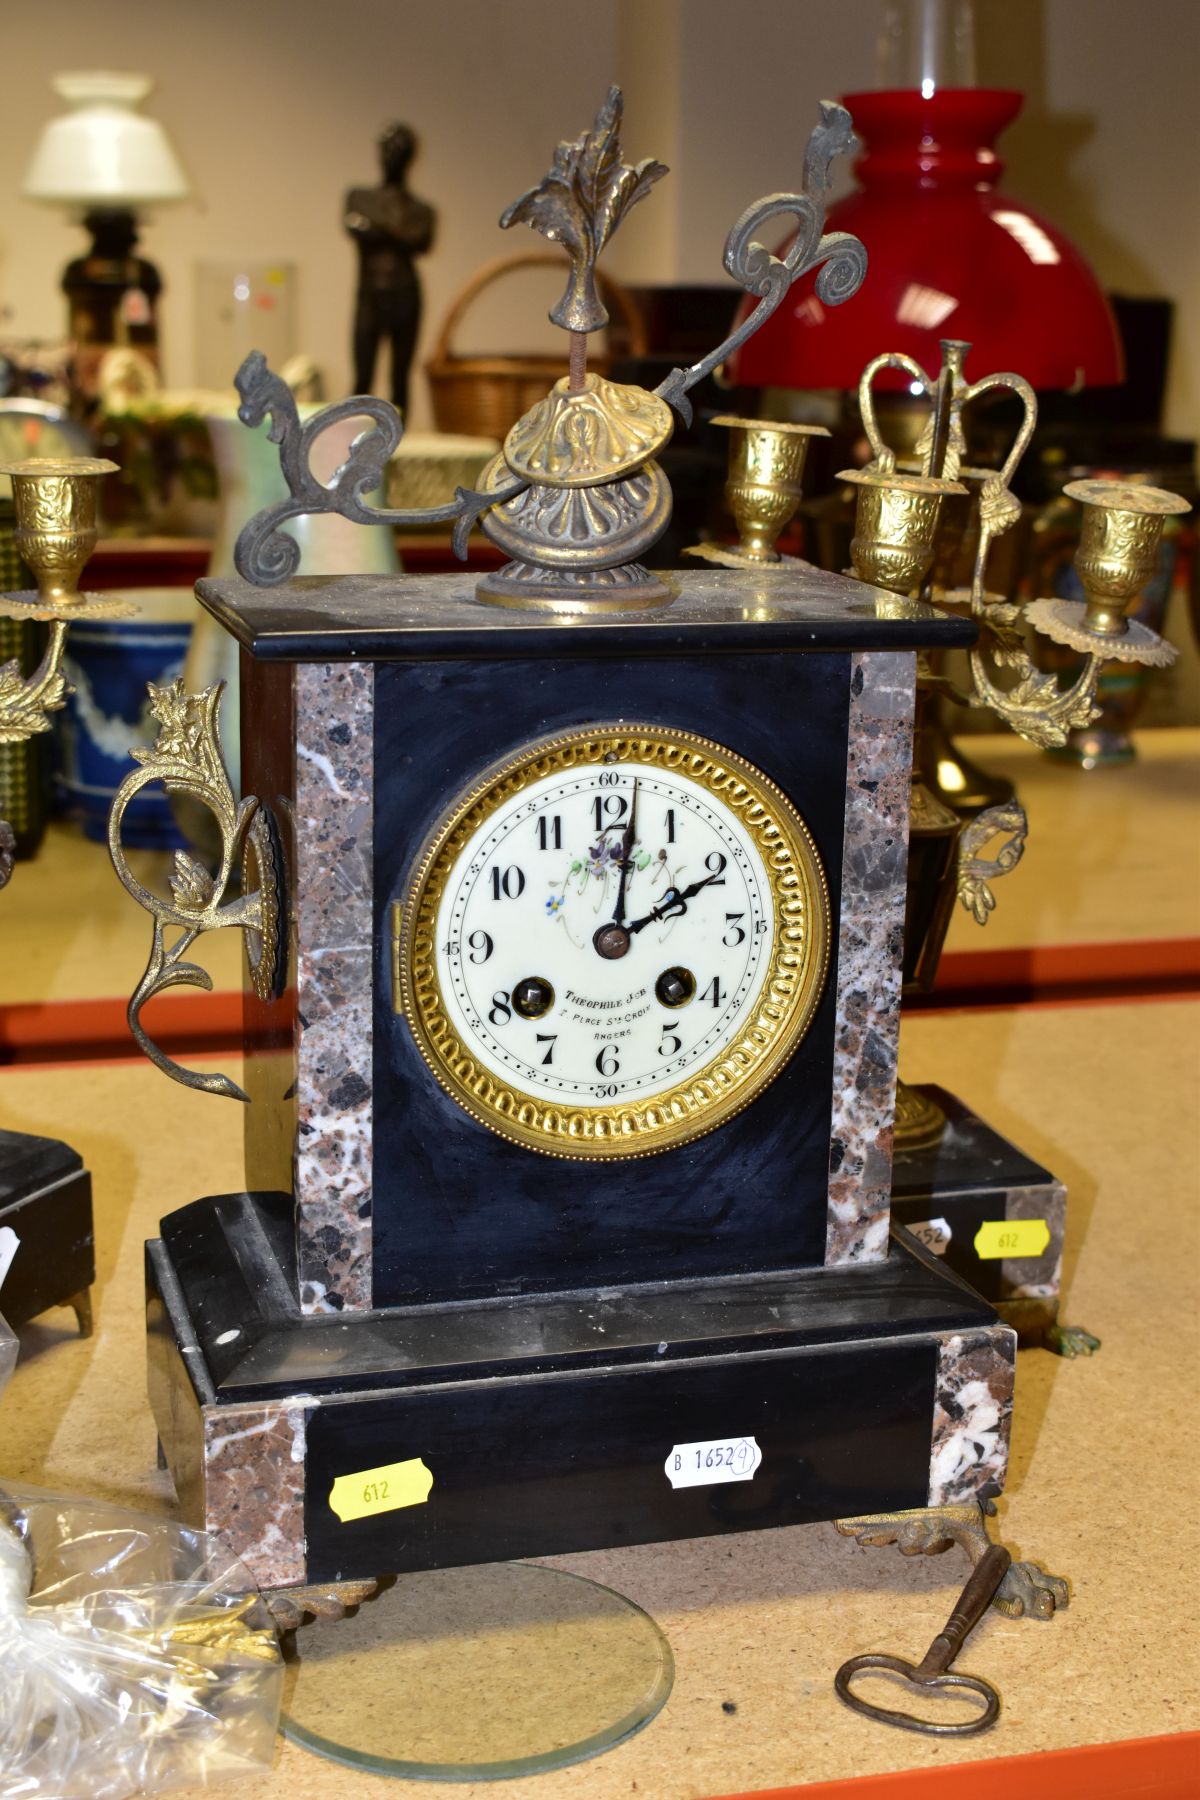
pixel 575 496
pixel 580 202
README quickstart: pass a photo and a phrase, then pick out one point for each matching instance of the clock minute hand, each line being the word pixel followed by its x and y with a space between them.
pixel 674 904
pixel 626 852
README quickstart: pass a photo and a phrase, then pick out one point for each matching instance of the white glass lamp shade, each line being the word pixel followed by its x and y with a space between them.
pixel 103 153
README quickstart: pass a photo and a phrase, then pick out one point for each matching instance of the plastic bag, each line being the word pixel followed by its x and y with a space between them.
pixel 8 1351
pixel 135 1655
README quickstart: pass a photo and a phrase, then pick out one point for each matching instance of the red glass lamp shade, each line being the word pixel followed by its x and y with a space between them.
pixel 947 257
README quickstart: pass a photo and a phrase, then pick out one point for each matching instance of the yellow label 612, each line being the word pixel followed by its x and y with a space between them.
pixel 381 1490
pixel 1011 1237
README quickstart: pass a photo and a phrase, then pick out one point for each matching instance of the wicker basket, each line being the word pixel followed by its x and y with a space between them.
pixel 484 396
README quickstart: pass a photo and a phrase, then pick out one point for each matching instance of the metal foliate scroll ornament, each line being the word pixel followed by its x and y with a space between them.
pixel 186 758
pixel 26 703
pixel 1026 1591
pixel 267 556
pixel 609 433
pixel 841 258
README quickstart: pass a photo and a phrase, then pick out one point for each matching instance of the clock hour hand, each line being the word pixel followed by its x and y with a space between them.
pixel 626 853
pixel 672 906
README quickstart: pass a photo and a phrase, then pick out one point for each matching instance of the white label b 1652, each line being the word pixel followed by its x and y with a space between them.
pixel 717 1459
pixel 935 1234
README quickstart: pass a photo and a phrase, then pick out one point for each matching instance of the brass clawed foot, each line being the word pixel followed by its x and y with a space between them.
pixel 292 1607
pixel 1025 1592
pixel 1070 1340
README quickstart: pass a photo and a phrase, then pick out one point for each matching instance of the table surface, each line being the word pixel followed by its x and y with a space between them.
pixel 1102 1484
pixel 1113 855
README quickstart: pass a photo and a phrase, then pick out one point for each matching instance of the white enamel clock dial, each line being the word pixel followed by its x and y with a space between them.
pixel 613 942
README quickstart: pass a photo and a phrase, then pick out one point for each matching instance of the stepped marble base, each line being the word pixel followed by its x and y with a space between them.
pixel 545 1423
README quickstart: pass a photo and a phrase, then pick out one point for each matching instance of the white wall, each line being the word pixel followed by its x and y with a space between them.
pixel 275 106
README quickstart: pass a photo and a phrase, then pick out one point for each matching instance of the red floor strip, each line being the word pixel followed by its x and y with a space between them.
pixel 1157 1768
pixel 198 1024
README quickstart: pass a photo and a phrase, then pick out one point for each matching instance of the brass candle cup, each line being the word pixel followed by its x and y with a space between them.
pixel 1118 547
pixel 766 463
pixel 55 500
pixel 895 526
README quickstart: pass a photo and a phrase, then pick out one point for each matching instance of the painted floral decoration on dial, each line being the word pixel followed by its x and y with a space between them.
pixel 600 928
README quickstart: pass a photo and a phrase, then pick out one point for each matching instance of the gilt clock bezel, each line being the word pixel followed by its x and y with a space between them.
pixel 789 991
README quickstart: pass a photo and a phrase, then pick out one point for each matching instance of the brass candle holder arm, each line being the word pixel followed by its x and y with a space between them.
pixel 186 758
pixel 55 501
pixel 26 702
pixel 1033 706
pixel 1118 552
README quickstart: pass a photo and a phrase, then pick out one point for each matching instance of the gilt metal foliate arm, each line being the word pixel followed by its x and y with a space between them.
pixel 186 758
pixel 976 872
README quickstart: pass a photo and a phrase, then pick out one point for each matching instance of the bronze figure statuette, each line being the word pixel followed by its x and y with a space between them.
pixel 575 496
pixel 389 227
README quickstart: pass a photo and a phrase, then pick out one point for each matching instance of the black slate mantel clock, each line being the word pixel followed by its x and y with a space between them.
pixel 573 907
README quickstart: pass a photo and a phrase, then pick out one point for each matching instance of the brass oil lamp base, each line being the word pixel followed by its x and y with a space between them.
pixel 920 1121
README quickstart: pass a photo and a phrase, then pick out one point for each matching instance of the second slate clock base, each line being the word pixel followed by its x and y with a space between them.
pixel 46 1199
pixel 546 1421
pixel 973 1177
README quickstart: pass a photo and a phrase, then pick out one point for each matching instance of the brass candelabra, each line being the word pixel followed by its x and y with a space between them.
pixel 55 500
pixel 895 544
